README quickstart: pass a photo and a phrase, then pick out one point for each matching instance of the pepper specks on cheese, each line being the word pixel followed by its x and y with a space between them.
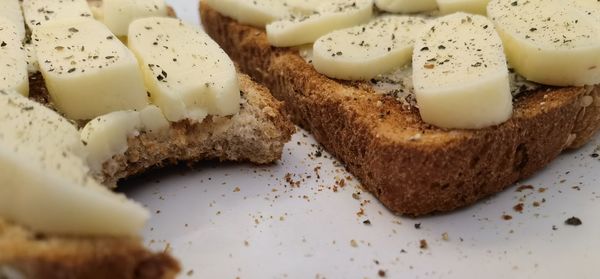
pixel 298 29
pixel 87 70
pixel 187 74
pixel 13 73
pixel 460 73
pixel 553 42
pixel 38 12
pixel 365 51
pixel 46 184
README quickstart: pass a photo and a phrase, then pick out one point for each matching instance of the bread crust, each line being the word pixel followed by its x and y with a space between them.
pixel 64 257
pixel 413 168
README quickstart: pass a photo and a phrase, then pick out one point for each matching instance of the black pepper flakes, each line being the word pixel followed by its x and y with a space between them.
pixel 573 221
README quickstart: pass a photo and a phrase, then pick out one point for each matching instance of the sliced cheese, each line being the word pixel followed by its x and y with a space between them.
pixel 38 12
pixel 329 16
pixel 460 74
pixel 96 8
pixel 589 8
pixel 187 74
pixel 552 42
pixel 107 135
pixel 406 6
pixel 13 72
pixel 11 10
pixel 469 6
pixel 118 14
pixel 88 71
pixel 257 12
pixel 365 51
pixel 45 184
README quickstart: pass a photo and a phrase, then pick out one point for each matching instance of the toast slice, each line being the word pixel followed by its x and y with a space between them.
pixel 256 134
pixel 413 168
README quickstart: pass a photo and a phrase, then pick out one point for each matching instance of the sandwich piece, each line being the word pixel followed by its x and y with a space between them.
pixel 81 228
pixel 56 219
pixel 412 167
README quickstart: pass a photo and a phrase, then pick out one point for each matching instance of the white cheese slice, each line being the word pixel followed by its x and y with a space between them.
pixel 469 6
pixel 38 12
pixel 107 135
pixel 96 8
pixel 460 74
pixel 118 14
pixel 87 70
pixel 551 42
pixel 13 70
pixel 406 6
pixel 589 8
pixel 329 16
pixel 365 51
pixel 46 185
pixel 256 12
pixel 187 74
pixel 11 10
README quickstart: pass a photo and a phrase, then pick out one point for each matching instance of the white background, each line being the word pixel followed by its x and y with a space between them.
pixel 243 221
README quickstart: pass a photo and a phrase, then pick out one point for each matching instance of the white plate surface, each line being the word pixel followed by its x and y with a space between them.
pixel 291 221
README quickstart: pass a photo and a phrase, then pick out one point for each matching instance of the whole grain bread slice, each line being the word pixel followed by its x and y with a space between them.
pixel 413 168
pixel 256 134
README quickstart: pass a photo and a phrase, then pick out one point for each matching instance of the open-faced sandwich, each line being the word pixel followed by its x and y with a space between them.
pixel 431 104
pixel 91 94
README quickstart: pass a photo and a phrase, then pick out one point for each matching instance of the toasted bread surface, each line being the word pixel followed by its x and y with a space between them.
pixel 413 168
pixel 256 134
pixel 32 255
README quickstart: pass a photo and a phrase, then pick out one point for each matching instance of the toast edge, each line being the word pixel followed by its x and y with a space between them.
pixel 409 178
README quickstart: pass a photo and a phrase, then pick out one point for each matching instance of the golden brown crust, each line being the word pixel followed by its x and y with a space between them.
pixel 61 257
pixel 412 167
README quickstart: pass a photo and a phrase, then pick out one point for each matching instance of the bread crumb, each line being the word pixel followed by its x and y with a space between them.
pixel 423 244
pixel 237 189
pixel 353 243
pixel 445 236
